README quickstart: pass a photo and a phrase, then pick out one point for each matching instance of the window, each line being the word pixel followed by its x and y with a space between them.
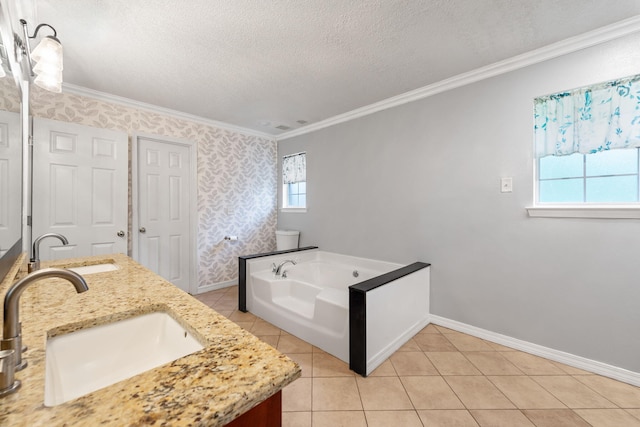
pixel 587 146
pixel 296 195
pixel 604 177
pixel 294 180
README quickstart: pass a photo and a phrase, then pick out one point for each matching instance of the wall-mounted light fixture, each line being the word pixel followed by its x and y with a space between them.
pixel 47 57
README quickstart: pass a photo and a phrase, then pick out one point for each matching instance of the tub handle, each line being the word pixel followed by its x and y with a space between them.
pixel 273 267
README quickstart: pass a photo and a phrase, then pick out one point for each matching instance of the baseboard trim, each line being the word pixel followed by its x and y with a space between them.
pixel 579 362
pixel 214 286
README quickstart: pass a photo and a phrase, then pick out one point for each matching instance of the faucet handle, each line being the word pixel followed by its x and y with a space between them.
pixel 274 268
pixel 8 383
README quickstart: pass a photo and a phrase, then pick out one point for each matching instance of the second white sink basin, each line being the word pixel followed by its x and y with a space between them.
pixel 87 360
pixel 96 268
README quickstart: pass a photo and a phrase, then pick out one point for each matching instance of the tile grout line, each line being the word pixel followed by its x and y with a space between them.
pixel 595 391
pixel 487 379
pixel 550 392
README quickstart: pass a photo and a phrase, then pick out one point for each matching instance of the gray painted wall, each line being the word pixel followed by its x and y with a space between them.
pixel 422 182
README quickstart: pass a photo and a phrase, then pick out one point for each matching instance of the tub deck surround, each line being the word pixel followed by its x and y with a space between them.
pixel 356 309
pixel 358 314
pixel 234 373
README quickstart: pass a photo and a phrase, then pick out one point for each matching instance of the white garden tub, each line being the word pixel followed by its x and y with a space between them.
pixel 313 302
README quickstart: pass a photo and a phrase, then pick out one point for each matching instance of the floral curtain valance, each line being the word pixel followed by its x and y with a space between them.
pixel 294 168
pixel 595 118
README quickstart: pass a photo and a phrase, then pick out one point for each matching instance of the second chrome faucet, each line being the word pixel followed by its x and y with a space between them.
pixel 34 264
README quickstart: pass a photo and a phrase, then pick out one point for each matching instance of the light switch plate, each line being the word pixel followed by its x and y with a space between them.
pixel 506 185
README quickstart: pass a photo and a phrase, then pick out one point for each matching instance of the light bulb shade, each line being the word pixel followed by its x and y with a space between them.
pixel 48 68
pixel 49 82
pixel 49 51
pixel 47 65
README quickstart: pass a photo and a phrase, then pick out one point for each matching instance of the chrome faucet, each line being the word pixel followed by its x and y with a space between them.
pixel 35 261
pixel 278 270
pixel 11 336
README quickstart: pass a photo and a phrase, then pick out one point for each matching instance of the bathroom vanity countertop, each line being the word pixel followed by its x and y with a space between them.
pixel 235 372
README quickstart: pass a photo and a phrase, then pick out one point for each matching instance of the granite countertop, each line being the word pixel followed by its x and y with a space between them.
pixel 235 371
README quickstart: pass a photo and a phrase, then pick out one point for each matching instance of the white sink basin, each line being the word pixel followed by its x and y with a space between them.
pixel 87 360
pixel 96 268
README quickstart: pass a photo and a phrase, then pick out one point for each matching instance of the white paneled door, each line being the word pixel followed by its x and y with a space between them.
pixel 10 180
pixel 163 202
pixel 80 189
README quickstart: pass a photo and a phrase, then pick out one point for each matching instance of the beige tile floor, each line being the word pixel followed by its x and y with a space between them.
pixel 439 378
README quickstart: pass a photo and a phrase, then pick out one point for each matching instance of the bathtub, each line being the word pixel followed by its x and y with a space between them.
pixel 356 309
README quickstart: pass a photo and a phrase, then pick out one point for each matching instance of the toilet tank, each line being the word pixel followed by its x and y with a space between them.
pixel 287 239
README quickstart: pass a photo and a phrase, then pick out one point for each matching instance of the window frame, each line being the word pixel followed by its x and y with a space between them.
pixel 285 206
pixel 619 90
pixel 584 178
pixel 628 210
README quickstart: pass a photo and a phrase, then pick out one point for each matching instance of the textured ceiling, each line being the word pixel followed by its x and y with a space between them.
pixel 248 62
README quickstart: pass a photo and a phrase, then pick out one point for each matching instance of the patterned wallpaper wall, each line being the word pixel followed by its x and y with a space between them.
pixel 237 175
pixel 10 100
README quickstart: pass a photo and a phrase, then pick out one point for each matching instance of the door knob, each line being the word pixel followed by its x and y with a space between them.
pixel 120 233
pixel 143 230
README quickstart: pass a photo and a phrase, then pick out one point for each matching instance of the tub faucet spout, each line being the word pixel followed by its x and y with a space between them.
pixel 11 337
pixel 278 269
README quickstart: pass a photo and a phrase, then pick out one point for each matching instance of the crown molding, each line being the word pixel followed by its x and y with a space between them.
pixel 115 99
pixel 564 47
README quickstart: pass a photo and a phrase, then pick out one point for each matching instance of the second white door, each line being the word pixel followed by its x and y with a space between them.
pixel 165 238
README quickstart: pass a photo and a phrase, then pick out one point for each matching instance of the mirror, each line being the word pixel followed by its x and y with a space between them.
pixel 10 165
pixel 10 169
